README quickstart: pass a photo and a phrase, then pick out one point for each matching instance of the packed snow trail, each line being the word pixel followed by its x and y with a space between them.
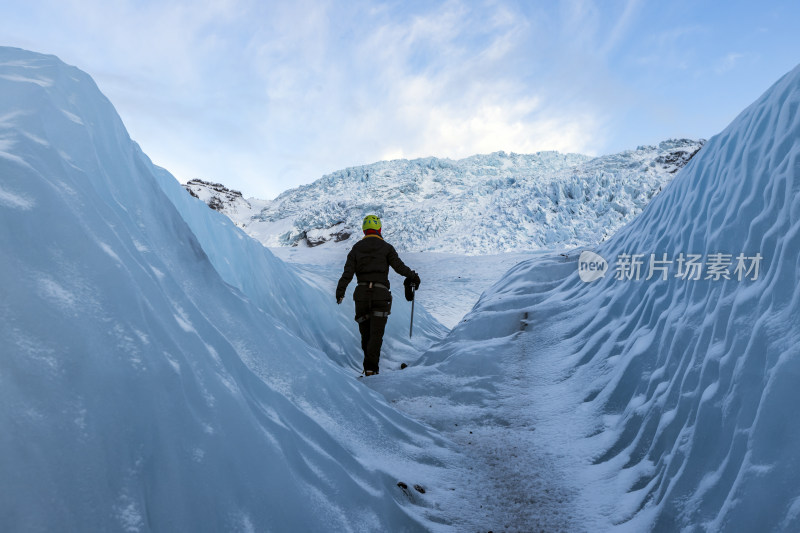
pixel 505 481
pixel 491 486
pixel 500 479
pixel 480 390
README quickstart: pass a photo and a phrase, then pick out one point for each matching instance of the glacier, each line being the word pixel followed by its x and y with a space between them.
pixel 143 386
pixel 662 404
pixel 480 205
pixel 160 370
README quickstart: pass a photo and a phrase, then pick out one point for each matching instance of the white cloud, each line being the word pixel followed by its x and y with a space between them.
pixel 264 96
pixel 463 99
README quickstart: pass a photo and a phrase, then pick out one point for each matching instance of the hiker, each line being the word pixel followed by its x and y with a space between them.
pixel 370 260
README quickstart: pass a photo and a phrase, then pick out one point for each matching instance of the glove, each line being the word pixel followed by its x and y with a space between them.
pixel 339 297
pixel 339 300
pixel 411 282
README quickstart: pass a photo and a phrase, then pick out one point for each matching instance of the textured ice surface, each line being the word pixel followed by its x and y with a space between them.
pixel 138 390
pixel 484 204
pixel 666 404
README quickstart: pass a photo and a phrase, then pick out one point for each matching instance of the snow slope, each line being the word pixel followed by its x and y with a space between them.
pixel 138 390
pixel 665 404
pixel 484 204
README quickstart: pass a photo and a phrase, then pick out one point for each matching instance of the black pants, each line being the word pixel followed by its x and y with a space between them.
pixel 371 326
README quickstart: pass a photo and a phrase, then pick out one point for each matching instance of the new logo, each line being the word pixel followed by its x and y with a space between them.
pixel 591 266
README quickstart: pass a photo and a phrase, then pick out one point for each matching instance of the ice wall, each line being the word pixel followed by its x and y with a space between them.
pixel 138 390
pixel 671 400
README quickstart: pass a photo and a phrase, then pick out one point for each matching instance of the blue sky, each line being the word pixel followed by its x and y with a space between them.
pixel 264 96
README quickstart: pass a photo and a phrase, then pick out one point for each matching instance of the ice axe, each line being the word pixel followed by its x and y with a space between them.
pixel 410 287
pixel 411 327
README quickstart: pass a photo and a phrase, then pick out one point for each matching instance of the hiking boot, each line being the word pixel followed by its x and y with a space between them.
pixel 369 372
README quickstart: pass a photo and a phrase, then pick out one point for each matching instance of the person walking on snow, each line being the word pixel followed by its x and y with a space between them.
pixel 369 261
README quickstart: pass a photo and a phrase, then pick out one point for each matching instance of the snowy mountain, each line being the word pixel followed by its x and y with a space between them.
pixel 142 386
pixel 218 197
pixel 664 404
pixel 479 205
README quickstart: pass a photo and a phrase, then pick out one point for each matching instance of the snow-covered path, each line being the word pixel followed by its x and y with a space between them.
pixel 502 482
pixel 503 479
pixel 512 477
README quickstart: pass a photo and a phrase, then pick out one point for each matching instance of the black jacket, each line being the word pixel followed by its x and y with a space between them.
pixel 369 260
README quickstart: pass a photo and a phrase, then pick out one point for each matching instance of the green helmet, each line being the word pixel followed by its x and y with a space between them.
pixel 371 222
